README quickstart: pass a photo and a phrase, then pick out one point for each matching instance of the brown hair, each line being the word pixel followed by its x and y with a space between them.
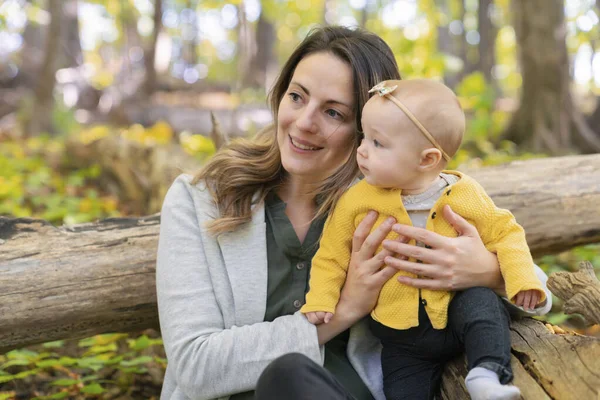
pixel 248 167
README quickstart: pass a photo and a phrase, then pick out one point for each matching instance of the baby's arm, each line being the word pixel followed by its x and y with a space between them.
pixel 502 235
pixel 330 264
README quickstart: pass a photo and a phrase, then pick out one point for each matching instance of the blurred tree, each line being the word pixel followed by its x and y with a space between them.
pixel 326 9
pixel 38 117
pixel 445 43
pixel 452 41
pixel 255 74
pixel 487 39
pixel 547 119
pixel 71 44
pixel 149 85
pixel 190 51
pixel 364 15
pixel 247 49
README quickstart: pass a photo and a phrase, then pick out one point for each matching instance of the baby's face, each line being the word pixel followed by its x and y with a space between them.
pixel 389 154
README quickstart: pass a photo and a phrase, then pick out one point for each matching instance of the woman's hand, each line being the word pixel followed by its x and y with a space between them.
pixel 366 275
pixel 367 271
pixel 448 263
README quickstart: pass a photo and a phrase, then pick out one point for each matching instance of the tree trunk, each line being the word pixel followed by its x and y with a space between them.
pixel 190 49
pixel 256 73
pixel 487 41
pixel 149 85
pixel 259 53
pixel 71 54
pixel 364 15
pixel 40 119
pixel 95 278
pixel 447 45
pixel 547 119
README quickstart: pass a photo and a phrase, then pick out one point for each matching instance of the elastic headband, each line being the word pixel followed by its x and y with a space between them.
pixel 384 91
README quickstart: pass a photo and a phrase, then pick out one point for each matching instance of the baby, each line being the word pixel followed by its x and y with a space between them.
pixel 411 130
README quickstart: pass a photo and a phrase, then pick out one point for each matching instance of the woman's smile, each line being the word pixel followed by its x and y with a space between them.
pixel 303 144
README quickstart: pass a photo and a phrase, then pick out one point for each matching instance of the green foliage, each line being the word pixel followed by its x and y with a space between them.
pixel 112 361
pixel 485 122
pixel 37 181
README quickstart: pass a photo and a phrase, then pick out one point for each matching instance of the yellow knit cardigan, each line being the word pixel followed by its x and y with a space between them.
pixel 398 304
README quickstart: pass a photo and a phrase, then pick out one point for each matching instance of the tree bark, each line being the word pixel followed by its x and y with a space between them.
pixel 580 291
pixel 547 119
pixel 545 365
pixel 75 282
pixel 72 282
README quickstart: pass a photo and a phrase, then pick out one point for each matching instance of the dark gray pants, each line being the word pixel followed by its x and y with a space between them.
pixel 296 377
pixel 413 359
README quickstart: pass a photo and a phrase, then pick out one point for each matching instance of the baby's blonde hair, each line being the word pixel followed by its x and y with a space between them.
pixel 436 107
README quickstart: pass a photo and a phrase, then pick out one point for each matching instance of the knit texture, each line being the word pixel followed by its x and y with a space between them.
pixel 398 304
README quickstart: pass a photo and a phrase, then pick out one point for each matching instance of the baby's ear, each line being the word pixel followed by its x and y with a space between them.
pixel 430 160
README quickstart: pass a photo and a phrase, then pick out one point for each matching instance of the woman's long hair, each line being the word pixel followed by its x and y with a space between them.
pixel 252 167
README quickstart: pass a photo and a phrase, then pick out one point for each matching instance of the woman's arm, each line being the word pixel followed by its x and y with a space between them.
pixel 207 360
pixel 449 263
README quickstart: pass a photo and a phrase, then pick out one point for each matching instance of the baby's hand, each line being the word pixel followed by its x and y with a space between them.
pixel 528 299
pixel 318 317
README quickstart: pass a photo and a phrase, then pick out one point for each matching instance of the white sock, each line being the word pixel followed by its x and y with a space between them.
pixel 483 384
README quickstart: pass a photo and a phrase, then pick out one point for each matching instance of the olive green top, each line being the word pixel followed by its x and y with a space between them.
pixel 289 264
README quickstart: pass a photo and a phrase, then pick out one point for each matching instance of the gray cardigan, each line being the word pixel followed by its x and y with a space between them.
pixel 211 301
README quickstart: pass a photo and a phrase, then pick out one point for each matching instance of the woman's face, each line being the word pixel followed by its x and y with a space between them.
pixel 315 122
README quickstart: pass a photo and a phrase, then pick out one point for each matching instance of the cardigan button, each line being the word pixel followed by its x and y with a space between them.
pixel 297 303
pixel 448 192
pixel 300 266
pixel 433 215
pixel 424 302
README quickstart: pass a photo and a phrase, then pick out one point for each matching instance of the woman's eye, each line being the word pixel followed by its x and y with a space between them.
pixel 334 114
pixel 295 97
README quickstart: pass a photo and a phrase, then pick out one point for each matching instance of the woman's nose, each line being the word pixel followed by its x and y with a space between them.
pixel 306 121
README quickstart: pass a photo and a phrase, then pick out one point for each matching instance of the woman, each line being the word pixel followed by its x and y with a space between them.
pixel 236 241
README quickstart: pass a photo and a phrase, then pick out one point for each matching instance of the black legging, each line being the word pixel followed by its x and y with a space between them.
pixel 413 360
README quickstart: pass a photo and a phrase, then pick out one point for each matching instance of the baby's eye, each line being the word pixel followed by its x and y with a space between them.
pixel 376 143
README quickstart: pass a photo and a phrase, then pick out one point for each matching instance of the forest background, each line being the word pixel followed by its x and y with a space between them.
pixel 102 103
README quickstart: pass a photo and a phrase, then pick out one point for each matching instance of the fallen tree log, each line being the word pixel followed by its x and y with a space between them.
pixel 557 200
pixel 580 291
pixel 75 282
pixel 78 281
pixel 546 365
